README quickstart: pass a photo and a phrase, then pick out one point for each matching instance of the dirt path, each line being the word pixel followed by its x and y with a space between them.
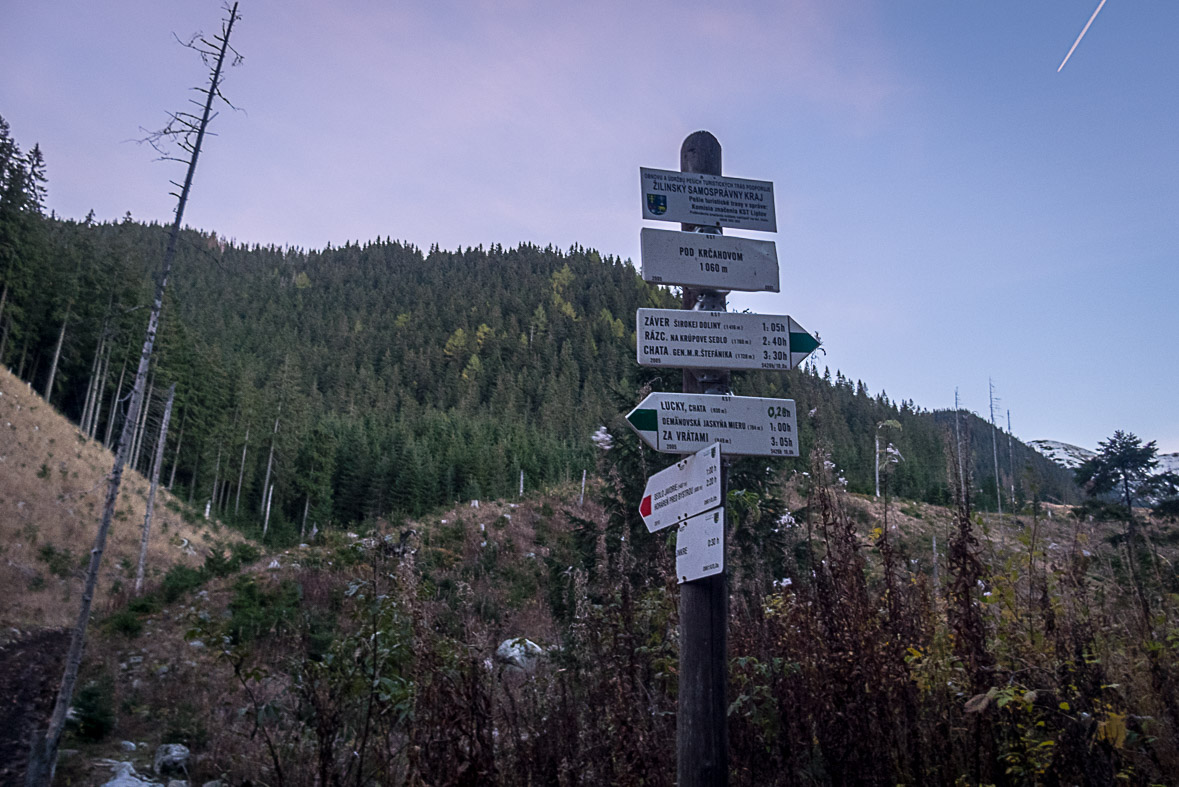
pixel 30 669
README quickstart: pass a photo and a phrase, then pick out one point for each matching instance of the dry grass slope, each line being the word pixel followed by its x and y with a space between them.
pixel 52 483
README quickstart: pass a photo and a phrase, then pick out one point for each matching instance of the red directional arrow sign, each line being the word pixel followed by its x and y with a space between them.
pixel 686 488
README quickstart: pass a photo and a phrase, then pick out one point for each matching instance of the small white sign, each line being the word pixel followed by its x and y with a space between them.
pixel 685 339
pixel 708 200
pixel 718 262
pixel 700 546
pixel 686 488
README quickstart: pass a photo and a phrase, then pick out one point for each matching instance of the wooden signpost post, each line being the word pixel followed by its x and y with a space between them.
pixel 706 342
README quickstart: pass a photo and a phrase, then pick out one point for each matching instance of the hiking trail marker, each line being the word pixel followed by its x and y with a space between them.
pixel 700 546
pixel 720 340
pixel 685 489
pixel 718 262
pixel 678 423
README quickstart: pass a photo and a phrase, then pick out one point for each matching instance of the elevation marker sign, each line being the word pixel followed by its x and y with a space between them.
pixel 717 262
pixel 708 200
pixel 679 423
pixel 700 546
pixel 720 340
pixel 685 489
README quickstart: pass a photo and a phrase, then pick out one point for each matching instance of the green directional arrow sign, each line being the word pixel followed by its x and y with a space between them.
pixel 802 344
pixel 720 340
pixel 644 419
pixel 680 423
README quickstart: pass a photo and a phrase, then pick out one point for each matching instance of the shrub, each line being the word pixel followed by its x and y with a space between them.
pixel 95 710
pixel 59 561
pixel 1168 508
pixel 1100 510
pixel 179 580
pixel 144 605
pixel 124 622
pixel 255 611
pixel 186 724
pixel 245 553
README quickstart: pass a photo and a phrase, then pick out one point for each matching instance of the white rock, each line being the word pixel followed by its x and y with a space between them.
pixel 519 653
pixel 125 776
pixel 171 758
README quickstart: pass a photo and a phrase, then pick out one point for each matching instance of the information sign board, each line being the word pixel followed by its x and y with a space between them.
pixel 720 340
pixel 716 262
pixel 708 200
pixel 679 423
pixel 700 546
pixel 686 488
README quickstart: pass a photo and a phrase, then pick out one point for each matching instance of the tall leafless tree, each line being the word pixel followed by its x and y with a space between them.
pixel 187 130
pixel 151 496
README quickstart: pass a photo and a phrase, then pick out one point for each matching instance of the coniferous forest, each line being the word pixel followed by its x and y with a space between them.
pixel 348 384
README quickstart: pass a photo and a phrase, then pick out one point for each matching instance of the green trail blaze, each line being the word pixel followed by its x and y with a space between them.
pixel 644 420
pixel 802 342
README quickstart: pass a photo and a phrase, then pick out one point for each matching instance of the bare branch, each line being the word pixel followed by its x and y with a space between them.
pixel 182 127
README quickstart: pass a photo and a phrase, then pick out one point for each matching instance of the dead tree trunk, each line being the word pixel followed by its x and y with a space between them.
pixel 56 356
pixel 100 393
pixel 241 474
pixel 213 499
pixel 4 339
pixel 270 462
pixel 91 385
pixel 151 495
pixel 43 756
pixel 266 520
pixel 176 457
pixel 137 442
pixel 110 419
pixel 4 335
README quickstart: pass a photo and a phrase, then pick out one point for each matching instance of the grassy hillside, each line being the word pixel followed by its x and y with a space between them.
pixel 52 484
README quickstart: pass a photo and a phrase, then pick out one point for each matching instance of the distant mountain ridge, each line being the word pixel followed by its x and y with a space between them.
pixel 1071 456
pixel 1064 454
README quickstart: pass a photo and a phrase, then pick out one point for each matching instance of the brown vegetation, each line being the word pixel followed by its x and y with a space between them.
pixel 52 482
pixel 1016 651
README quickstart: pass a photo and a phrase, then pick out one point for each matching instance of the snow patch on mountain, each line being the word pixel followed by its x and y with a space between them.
pixel 1071 456
pixel 1065 454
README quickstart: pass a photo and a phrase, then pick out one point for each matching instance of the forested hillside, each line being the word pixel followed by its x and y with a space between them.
pixel 347 384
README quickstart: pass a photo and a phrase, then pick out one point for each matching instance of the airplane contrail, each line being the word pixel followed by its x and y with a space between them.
pixel 1082 35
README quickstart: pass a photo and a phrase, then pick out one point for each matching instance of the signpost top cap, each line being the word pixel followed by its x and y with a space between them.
pixel 701 152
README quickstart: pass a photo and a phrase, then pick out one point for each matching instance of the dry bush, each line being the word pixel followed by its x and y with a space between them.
pixel 1026 662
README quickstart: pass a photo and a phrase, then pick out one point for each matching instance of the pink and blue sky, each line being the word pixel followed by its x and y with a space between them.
pixel 950 207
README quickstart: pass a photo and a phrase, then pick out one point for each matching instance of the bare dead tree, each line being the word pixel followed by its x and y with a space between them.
pixel 151 496
pixel 187 131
